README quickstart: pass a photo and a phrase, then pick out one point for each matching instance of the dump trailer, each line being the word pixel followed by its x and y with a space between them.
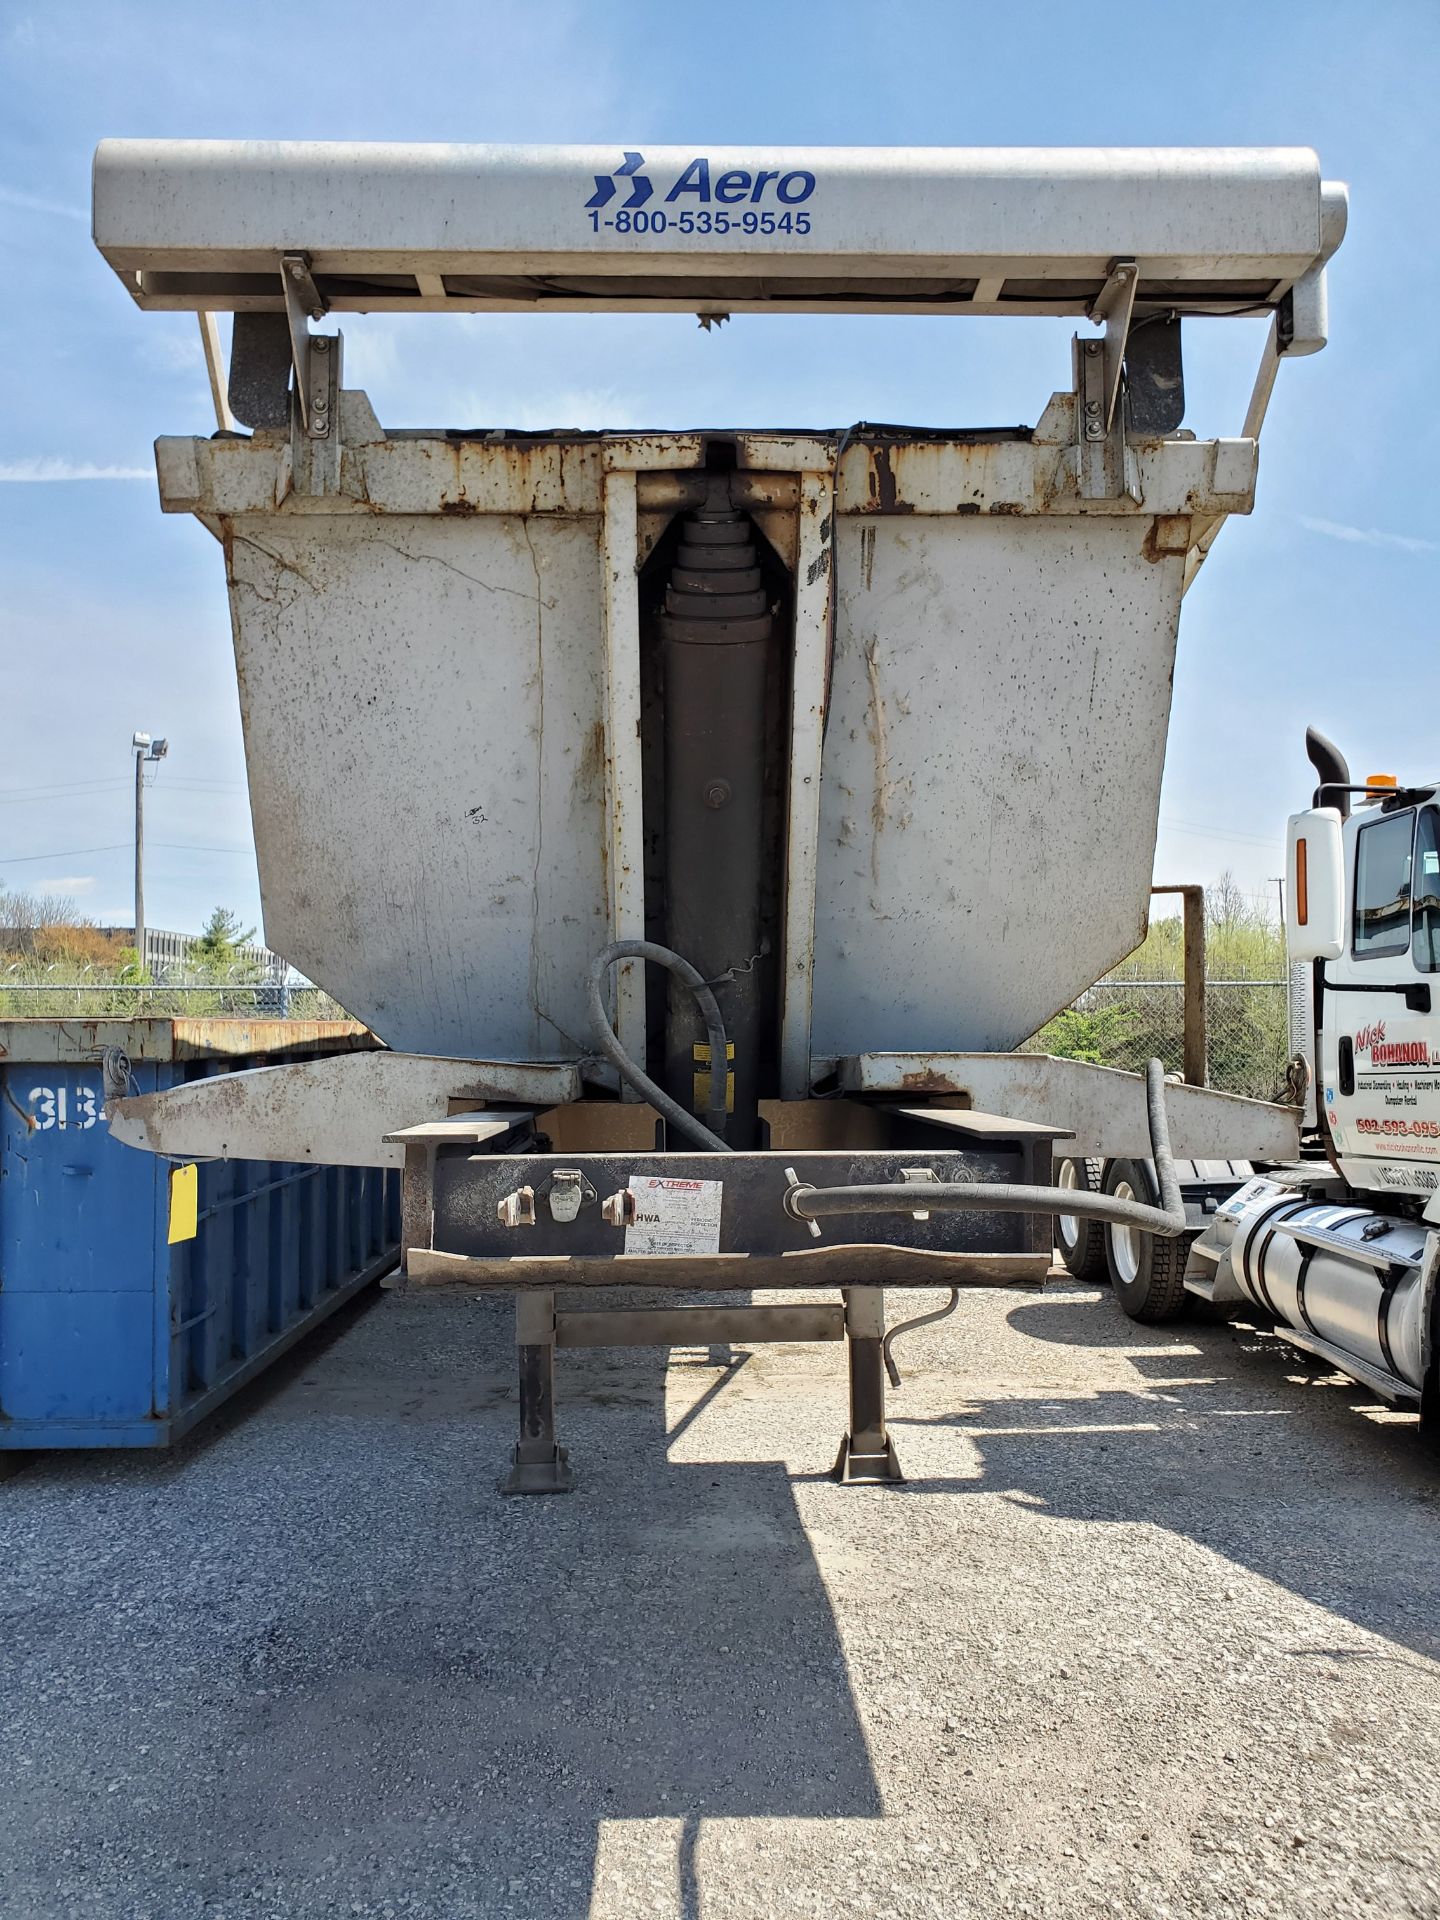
pixel 702 818
pixel 1338 1250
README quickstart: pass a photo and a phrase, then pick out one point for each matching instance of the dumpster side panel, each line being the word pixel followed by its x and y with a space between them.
pixel 110 1336
pixel 78 1252
pixel 423 698
pixel 992 760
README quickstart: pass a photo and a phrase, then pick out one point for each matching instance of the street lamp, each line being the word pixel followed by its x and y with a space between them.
pixel 145 749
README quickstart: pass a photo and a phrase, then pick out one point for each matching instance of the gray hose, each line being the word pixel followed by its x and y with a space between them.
pixel 679 1117
pixel 909 1326
pixel 1167 1220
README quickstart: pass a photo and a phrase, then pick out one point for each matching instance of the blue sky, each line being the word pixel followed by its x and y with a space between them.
pixel 1321 607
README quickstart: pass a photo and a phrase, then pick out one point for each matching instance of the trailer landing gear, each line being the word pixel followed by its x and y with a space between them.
pixel 867 1453
pixel 540 1465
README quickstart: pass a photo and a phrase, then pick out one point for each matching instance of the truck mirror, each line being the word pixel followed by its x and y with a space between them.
pixel 1315 889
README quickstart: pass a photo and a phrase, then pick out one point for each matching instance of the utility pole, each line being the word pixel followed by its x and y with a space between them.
pixel 145 749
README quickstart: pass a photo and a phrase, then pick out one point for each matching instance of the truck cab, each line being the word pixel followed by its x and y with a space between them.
pixel 1338 1250
pixel 1377 1050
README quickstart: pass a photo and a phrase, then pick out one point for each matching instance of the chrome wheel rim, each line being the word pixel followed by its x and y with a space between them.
pixel 1125 1241
pixel 1067 1225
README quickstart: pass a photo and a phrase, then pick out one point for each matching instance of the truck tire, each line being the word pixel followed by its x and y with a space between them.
pixel 1082 1242
pixel 1147 1273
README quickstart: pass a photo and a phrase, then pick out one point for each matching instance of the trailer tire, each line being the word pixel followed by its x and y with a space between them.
pixel 1430 1400
pixel 1082 1242
pixel 1146 1272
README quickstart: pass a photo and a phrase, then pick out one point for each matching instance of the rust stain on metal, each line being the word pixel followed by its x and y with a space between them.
pixel 1167 536
pixel 879 806
pixel 590 774
pixel 883 485
pixel 867 557
pixel 275 1039
pixel 927 1080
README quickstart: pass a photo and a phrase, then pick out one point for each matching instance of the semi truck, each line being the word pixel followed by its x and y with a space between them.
pixel 1337 1249
pixel 703 818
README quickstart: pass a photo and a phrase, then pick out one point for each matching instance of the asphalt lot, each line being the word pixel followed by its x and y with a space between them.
pixel 1152 1630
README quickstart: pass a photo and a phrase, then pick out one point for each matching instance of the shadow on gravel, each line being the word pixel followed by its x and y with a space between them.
pixel 1237 1447
pixel 314 1666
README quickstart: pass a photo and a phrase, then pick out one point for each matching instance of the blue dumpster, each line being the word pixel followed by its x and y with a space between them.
pixel 110 1335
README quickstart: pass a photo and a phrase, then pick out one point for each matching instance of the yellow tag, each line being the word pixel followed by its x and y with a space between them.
pixel 184 1203
pixel 701 1096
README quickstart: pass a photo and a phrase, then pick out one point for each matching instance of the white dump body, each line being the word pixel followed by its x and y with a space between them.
pixel 434 720
pixel 436 633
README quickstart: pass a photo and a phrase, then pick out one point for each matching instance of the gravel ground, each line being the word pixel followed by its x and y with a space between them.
pixel 1152 1630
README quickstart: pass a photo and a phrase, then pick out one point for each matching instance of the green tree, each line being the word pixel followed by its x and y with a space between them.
pixel 218 950
pixel 1246 1005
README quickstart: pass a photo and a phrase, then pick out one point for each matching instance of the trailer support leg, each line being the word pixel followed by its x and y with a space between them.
pixel 538 1464
pixel 867 1452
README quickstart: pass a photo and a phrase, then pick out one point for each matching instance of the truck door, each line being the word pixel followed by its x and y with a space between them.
pixel 1380 1056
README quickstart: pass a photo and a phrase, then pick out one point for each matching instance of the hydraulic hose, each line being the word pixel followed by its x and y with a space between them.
pixel 1167 1220
pixel 671 1110
pixel 909 1326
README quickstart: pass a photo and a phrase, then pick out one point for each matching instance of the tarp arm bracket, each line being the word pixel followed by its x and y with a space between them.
pixel 1112 308
pixel 304 302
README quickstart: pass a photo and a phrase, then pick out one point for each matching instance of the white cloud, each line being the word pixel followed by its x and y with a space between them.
pixel 66 883
pixel 1370 536
pixel 22 471
pixel 171 351
pixel 36 203
pixel 581 408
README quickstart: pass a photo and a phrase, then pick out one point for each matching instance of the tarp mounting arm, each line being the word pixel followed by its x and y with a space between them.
pixel 303 303
pixel 1113 307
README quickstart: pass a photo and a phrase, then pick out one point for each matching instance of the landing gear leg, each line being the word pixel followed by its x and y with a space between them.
pixel 538 1465
pixel 867 1452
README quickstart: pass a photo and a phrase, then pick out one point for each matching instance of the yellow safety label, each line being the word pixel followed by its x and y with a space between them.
pixel 701 1097
pixel 184 1203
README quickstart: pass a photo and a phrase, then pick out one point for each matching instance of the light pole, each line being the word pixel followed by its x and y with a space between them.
pixel 144 749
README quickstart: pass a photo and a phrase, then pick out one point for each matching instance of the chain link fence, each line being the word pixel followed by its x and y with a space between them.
pixel 1119 1022
pixel 1124 1023
pixel 41 999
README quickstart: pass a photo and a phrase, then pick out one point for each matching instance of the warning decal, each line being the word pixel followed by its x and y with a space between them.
pixel 674 1216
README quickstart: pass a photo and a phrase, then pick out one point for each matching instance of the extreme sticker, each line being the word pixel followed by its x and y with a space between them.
pixel 674 1216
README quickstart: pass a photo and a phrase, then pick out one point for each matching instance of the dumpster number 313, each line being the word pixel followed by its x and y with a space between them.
pixel 62 1107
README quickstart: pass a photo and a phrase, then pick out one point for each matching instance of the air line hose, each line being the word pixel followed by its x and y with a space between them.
pixel 634 1076
pixel 804 1202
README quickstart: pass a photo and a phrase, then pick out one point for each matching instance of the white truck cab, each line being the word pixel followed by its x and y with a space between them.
pixel 1375 940
pixel 1339 1249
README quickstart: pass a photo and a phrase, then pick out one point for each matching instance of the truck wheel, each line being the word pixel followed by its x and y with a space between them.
pixel 1081 1242
pixel 1146 1272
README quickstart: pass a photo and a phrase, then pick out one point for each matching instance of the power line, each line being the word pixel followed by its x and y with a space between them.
pixel 18 798
pixel 63 786
pixel 1218 833
pixel 67 853
pixel 177 846
pixel 119 846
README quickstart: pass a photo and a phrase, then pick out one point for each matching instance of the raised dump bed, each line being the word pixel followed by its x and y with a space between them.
pixel 858 729
pixel 113 1333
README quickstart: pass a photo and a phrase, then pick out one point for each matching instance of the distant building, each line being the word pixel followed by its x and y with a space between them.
pixel 170 952
pixel 165 952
